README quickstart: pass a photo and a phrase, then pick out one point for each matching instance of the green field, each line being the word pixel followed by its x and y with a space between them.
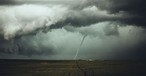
pixel 71 68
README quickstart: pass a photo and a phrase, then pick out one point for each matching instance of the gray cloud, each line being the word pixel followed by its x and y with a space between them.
pixel 136 8
pixel 23 19
pixel 99 44
pixel 54 30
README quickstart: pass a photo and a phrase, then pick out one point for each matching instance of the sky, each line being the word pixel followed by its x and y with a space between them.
pixel 57 29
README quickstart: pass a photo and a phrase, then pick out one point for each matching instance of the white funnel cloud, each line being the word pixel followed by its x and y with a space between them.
pixel 77 52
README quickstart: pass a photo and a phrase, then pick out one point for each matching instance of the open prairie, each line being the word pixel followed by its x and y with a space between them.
pixel 72 68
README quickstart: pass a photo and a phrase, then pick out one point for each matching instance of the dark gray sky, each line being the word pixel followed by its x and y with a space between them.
pixel 53 29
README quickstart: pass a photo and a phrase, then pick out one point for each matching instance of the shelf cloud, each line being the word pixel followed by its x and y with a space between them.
pixel 52 29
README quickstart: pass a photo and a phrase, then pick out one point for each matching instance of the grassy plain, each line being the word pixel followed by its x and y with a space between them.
pixel 72 68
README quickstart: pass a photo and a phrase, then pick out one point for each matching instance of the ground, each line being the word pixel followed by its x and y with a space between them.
pixel 72 68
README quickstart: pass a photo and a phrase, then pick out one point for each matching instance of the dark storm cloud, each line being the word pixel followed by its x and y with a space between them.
pixel 5 2
pixel 21 20
pixel 136 8
pixel 27 47
pixel 64 2
pixel 90 15
pixel 102 42
pixel 133 11
pixel 27 31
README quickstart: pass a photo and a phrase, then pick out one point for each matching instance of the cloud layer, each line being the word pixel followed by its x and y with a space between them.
pixel 24 19
pixel 53 29
pixel 102 42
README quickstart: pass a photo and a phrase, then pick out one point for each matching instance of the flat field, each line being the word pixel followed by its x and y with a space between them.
pixel 72 68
